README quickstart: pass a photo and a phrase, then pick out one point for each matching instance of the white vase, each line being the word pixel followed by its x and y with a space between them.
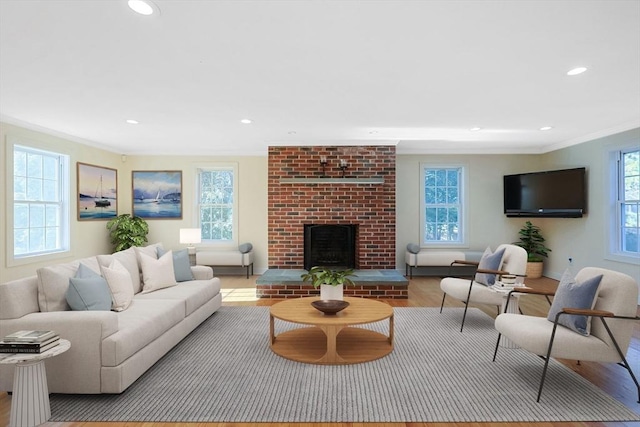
pixel 331 292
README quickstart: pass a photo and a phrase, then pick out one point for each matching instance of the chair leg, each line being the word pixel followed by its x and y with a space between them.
pixel 466 305
pixel 546 359
pixel 624 363
pixel 444 295
pixel 495 353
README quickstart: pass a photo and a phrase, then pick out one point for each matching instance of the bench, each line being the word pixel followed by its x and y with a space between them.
pixel 226 258
pixel 438 261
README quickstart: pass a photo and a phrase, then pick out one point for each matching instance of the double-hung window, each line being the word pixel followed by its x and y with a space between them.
pixel 40 202
pixel 442 205
pixel 626 196
pixel 218 203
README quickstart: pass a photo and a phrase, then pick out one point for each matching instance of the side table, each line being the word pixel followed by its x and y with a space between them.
pixel 30 399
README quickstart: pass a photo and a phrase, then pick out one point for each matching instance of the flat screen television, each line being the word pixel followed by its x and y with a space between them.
pixel 556 193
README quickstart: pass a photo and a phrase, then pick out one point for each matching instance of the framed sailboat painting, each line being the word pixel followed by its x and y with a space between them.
pixel 97 192
pixel 157 194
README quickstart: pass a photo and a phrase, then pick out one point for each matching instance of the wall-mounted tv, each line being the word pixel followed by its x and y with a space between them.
pixel 556 193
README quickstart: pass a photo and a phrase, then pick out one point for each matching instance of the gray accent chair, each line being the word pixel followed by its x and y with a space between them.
pixel 611 326
pixel 514 261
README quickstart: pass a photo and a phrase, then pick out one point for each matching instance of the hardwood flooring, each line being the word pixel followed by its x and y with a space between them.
pixel 423 292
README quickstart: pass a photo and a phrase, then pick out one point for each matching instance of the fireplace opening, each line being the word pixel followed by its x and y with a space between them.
pixel 331 245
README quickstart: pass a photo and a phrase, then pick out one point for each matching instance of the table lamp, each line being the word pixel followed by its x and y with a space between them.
pixel 189 236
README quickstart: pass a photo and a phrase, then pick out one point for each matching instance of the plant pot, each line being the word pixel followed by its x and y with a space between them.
pixel 331 292
pixel 534 270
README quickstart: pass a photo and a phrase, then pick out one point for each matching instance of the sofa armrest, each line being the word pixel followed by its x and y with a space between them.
pixel 202 272
pixel 77 370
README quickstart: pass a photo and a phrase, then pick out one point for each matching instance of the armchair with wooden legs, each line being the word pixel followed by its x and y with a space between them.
pixel 514 261
pixel 611 325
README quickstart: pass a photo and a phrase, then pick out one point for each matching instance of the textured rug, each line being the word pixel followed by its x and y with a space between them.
pixel 225 372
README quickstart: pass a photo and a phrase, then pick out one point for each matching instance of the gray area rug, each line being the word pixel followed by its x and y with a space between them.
pixel 225 372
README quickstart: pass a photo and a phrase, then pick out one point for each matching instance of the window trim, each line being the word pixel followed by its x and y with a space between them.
pixel 612 180
pixel 233 166
pixel 464 203
pixel 65 194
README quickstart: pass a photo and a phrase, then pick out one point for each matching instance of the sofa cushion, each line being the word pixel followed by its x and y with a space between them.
pixel 53 282
pixel 245 248
pixel 195 293
pixel 120 285
pixel 157 273
pixel 88 293
pixel 181 264
pixel 129 260
pixel 413 248
pixel 144 321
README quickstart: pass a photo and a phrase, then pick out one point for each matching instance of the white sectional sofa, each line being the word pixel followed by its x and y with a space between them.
pixel 109 349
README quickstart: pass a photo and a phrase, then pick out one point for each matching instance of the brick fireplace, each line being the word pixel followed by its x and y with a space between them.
pixel 362 195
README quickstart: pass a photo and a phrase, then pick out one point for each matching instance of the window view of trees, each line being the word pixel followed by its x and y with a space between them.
pixel 442 205
pixel 629 201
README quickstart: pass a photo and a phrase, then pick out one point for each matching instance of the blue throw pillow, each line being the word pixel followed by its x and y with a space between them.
pixel 84 272
pixel 245 248
pixel 413 248
pixel 571 294
pixel 181 264
pixel 489 261
pixel 88 294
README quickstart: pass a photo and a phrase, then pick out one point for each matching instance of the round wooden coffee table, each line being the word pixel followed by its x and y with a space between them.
pixel 331 340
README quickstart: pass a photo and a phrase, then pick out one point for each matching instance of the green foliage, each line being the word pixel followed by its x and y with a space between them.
pixel 127 231
pixel 326 276
pixel 532 241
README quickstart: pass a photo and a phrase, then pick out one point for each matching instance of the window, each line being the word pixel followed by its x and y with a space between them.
pixel 217 195
pixel 442 213
pixel 40 202
pixel 627 203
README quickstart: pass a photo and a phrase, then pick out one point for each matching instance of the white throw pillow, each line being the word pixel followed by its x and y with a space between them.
pixel 120 283
pixel 157 273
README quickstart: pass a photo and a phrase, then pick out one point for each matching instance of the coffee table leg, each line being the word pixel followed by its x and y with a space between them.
pixel 391 330
pixel 30 400
pixel 271 336
pixel 331 331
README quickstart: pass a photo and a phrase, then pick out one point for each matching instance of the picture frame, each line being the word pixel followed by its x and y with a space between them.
pixel 156 194
pixel 97 192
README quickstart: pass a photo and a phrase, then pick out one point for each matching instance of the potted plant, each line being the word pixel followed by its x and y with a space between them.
pixel 331 282
pixel 532 241
pixel 127 231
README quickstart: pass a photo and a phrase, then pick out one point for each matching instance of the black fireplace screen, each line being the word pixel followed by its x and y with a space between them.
pixel 331 246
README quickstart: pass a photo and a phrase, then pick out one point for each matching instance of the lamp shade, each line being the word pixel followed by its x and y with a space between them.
pixel 190 235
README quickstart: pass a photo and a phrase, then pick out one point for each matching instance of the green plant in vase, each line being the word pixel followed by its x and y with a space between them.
pixel 531 240
pixel 127 231
pixel 327 278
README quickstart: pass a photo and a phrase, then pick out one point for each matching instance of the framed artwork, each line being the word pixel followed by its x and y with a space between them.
pixel 97 192
pixel 157 194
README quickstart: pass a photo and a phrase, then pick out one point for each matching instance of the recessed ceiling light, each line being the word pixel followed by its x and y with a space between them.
pixel 475 129
pixel 373 132
pixel 143 7
pixel 546 128
pixel 292 132
pixel 576 71
pixel 132 122
pixel 246 121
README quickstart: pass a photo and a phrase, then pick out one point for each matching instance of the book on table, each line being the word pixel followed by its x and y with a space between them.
pixel 28 347
pixel 29 336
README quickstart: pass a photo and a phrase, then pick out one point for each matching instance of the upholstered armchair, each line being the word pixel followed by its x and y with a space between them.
pixel 476 290
pixel 611 322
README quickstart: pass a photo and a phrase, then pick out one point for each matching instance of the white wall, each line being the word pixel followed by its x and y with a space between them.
pixel 487 224
pixel 584 239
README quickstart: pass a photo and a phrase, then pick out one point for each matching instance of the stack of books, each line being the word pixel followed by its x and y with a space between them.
pixel 29 342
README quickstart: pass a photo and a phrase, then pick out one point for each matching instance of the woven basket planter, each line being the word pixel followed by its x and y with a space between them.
pixel 534 270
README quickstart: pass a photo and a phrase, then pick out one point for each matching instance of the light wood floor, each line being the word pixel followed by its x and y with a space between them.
pixel 423 292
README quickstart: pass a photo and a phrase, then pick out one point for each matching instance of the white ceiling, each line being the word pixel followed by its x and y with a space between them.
pixel 416 73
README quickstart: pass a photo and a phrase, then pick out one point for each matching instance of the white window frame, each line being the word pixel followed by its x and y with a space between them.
pixel 232 166
pixel 463 216
pixel 614 217
pixel 64 201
